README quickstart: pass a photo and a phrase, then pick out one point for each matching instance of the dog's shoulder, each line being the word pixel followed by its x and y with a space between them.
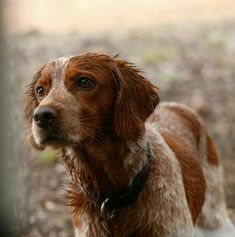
pixel 181 130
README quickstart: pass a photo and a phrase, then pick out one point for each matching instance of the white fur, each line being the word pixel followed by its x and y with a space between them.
pixel 83 230
pixel 170 180
pixel 59 73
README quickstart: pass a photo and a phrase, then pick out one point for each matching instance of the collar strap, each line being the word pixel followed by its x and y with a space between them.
pixel 128 195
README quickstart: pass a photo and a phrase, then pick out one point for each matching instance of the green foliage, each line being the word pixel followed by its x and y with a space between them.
pixel 217 39
pixel 47 157
pixel 152 57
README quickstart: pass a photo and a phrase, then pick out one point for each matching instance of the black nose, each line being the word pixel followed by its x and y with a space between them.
pixel 44 116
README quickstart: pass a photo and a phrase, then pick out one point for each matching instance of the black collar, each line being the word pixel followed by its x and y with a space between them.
pixel 127 195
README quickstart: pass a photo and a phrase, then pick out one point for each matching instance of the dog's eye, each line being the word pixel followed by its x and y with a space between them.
pixel 85 83
pixel 40 91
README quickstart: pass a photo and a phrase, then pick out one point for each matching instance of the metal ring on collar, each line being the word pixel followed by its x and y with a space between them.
pixel 105 213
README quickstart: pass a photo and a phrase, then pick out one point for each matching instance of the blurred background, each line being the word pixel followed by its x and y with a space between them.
pixel 185 47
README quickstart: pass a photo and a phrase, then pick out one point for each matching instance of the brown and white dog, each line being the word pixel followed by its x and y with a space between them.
pixel 136 167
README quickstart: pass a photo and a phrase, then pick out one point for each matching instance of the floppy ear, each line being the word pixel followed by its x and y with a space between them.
pixel 30 105
pixel 136 99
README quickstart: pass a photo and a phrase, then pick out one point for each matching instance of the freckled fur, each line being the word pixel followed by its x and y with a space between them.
pixel 104 134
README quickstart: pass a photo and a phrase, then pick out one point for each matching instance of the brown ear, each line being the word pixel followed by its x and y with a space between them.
pixel 136 99
pixel 30 105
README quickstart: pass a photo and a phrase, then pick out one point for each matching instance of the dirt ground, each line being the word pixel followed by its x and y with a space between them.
pixel 193 65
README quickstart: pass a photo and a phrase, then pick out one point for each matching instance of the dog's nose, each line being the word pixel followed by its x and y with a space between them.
pixel 44 116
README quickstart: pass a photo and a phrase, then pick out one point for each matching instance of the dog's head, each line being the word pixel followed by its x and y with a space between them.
pixel 71 100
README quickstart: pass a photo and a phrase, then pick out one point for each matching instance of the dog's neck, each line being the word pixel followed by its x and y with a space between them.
pixel 105 166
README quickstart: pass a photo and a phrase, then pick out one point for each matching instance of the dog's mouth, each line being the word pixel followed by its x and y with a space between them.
pixel 53 138
pixel 57 141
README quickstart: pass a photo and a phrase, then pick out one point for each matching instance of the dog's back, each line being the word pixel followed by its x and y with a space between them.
pixel 188 138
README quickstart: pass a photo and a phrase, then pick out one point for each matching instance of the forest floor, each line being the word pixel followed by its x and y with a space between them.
pixel 192 65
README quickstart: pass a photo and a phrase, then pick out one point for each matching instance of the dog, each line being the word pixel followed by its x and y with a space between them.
pixel 136 167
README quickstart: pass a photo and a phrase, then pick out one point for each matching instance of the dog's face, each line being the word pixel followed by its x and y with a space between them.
pixel 72 100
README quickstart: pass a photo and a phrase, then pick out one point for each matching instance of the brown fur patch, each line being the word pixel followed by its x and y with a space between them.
pixel 135 101
pixel 190 121
pixel 212 156
pixel 194 181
